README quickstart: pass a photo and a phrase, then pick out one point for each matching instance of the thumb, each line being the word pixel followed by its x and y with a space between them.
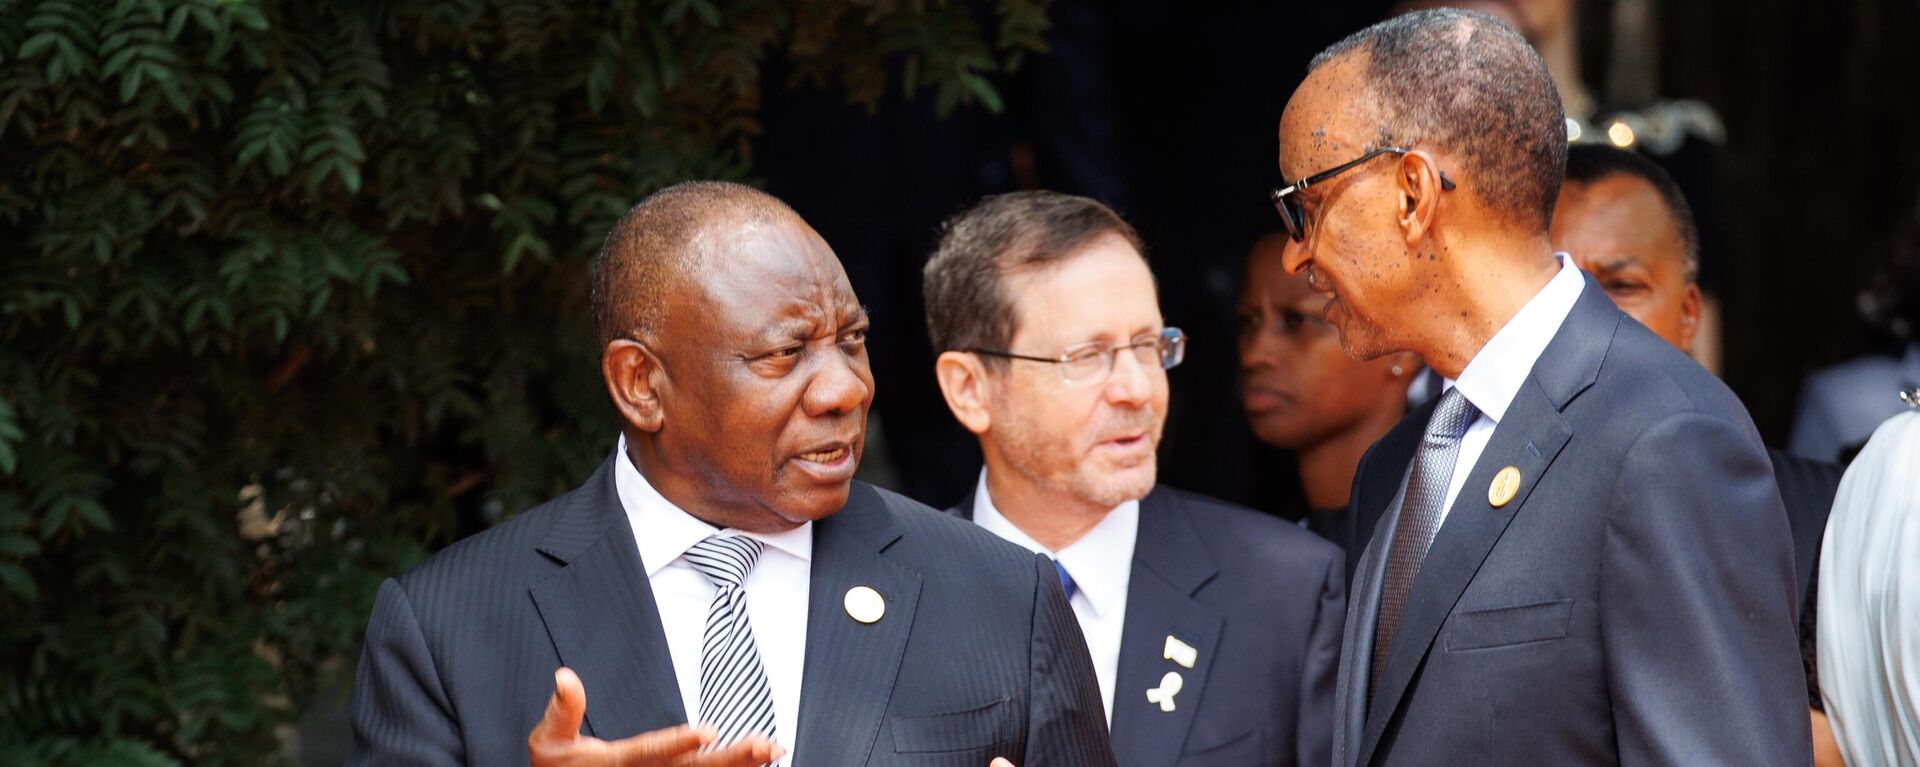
pixel 1000 761
pixel 565 709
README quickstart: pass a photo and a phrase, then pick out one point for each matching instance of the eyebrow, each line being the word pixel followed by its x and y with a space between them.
pixel 1617 264
pixel 802 327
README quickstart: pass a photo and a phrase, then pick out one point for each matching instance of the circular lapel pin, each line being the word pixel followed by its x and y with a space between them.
pixel 1505 485
pixel 864 604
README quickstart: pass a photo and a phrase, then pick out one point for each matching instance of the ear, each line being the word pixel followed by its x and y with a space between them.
pixel 633 378
pixel 1418 185
pixel 1689 315
pixel 968 391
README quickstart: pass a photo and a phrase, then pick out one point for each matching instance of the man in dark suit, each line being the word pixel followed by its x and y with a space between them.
pixel 1214 630
pixel 723 567
pixel 1582 558
pixel 1625 221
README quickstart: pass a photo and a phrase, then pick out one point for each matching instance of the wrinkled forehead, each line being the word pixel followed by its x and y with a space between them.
pixel 762 270
pixel 1330 119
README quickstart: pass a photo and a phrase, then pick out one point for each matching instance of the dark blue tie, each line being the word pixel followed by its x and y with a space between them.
pixel 1066 581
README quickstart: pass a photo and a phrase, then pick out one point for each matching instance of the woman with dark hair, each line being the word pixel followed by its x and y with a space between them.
pixel 1304 395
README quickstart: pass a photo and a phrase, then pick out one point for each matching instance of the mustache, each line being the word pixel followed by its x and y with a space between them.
pixel 1142 421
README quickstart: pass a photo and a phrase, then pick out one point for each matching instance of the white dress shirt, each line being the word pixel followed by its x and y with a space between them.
pixel 1100 564
pixel 776 596
pixel 1495 374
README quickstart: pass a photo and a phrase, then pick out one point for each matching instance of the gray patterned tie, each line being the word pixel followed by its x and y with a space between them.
pixel 734 696
pixel 1420 515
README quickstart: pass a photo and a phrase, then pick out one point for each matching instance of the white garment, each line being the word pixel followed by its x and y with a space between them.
pixel 1100 564
pixel 1494 376
pixel 776 596
pixel 1869 602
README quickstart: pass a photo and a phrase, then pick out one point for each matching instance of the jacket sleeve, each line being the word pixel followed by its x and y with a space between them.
pixel 1066 722
pixel 1697 602
pixel 1321 668
pixel 401 714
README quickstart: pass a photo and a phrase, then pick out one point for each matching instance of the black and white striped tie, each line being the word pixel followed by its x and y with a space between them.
pixel 734 696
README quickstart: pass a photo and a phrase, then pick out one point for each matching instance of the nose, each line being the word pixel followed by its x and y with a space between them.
pixel 1297 256
pixel 844 384
pixel 1132 380
pixel 1259 348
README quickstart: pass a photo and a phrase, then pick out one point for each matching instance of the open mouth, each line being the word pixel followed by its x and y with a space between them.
pixel 828 463
pixel 832 455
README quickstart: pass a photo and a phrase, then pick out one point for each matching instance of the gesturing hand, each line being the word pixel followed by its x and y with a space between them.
pixel 556 741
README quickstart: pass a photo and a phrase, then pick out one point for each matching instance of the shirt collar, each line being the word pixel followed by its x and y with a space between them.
pixel 1100 562
pixel 665 531
pixel 1494 375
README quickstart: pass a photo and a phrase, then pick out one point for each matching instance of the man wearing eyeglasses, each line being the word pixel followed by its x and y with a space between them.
pixel 1213 629
pixel 1581 558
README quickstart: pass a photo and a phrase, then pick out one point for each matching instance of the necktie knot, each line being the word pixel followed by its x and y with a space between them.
pixel 1452 416
pixel 724 559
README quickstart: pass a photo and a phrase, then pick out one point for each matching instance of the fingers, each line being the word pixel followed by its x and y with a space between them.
pixel 660 748
pixel 565 710
pixel 750 751
pixel 1000 761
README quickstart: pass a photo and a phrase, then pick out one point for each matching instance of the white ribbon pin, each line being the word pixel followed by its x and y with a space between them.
pixel 1169 686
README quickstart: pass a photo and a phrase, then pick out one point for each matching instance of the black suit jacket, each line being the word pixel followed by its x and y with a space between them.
pixel 1632 604
pixel 1262 602
pixel 978 654
pixel 1807 488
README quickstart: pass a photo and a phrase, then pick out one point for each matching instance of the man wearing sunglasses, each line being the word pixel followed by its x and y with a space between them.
pixel 1581 558
pixel 1213 629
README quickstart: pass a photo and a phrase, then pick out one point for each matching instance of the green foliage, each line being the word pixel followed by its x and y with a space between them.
pixel 293 293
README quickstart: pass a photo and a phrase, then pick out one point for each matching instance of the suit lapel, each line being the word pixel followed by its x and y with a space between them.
pixel 600 613
pixel 1169 567
pixel 1373 495
pixel 851 666
pixel 1529 438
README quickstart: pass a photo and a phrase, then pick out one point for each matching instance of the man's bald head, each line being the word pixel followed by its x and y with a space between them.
pixel 650 252
pixel 1467 84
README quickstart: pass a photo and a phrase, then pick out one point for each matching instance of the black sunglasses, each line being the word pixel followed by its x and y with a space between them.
pixel 1295 218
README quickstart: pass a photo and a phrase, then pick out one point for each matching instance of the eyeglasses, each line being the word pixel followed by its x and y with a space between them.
pixel 1295 218
pixel 1091 363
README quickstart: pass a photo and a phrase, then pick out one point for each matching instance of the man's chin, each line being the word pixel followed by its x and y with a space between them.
pixel 1112 488
pixel 810 504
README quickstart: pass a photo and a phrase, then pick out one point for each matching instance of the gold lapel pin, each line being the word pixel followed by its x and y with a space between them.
pixel 1505 485
pixel 864 604
pixel 1169 686
pixel 1180 652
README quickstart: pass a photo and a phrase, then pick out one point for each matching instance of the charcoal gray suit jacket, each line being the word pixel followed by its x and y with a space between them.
pixel 1633 604
pixel 977 654
pixel 1262 602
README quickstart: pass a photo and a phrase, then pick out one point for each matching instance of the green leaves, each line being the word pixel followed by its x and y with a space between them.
pixel 64 35
pixel 269 136
pixel 137 52
pixel 298 294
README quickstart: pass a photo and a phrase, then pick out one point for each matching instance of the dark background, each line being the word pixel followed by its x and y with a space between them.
pixel 1169 115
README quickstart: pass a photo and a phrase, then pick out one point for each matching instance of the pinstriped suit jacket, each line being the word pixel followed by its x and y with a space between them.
pixel 977 655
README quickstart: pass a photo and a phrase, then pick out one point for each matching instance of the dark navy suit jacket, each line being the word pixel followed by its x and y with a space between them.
pixel 1262 602
pixel 1633 604
pixel 977 655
